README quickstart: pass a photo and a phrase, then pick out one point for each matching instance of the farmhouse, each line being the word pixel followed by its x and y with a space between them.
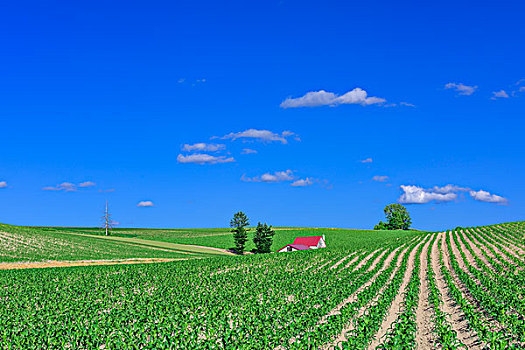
pixel 304 243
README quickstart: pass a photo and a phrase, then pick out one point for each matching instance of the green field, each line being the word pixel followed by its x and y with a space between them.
pixel 56 243
pixel 368 289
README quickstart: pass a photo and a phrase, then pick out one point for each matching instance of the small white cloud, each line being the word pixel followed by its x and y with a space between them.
pixel 499 94
pixel 380 178
pixel 407 104
pixel 108 190
pixel 64 186
pixel 145 204
pixel 3 184
pixel 181 80
pixel 418 195
pixel 278 176
pixel 367 160
pixel 303 182
pixel 484 196
pixel 449 188
pixel 461 89
pixel 203 159
pixel 248 151
pixel 87 184
pixel 260 135
pixel 203 147
pixel 324 98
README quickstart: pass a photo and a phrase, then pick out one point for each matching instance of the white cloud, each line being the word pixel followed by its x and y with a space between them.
pixel 203 147
pixel 278 176
pixel 367 160
pixel 260 135
pixel 64 186
pixel 380 178
pixel 108 190
pixel 3 184
pixel 324 98
pixel 499 94
pixel 303 182
pixel 484 196
pixel 461 89
pixel 87 184
pixel 407 104
pixel 415 194
pixel 203 159
pixel 449 188
pixel 248 151
pixel 145 204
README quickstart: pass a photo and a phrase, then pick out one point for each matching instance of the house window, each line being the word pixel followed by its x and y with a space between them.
pixel 289 249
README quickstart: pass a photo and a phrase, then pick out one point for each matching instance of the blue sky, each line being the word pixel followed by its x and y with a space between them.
pixel 298 113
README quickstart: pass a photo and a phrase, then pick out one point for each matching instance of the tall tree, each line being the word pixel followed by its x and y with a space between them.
pixel 398 217
pixel 240 233
pixel 263 238
pixel 106 221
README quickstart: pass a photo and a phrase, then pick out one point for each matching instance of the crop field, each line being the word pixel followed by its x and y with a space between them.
pixel 459 289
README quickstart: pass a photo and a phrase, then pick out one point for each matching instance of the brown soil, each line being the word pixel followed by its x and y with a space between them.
pixel 395 308
pixel 425 338
pixel 477 251
pixel 352 298
pixel 343 259
pixel 500 255
pixel 470 258
pixel 456 317
pixel 354 259
pixel 364 261
pixel 45 264
pixel 518 250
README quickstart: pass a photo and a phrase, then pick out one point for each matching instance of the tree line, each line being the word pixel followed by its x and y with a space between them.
pixel 262 238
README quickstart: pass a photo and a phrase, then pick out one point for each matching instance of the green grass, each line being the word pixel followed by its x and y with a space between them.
pixel 41 244
pixel 222 237
pixel 62 243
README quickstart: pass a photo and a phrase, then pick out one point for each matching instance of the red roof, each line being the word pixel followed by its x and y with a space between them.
pixel 296 246
pixel 309 241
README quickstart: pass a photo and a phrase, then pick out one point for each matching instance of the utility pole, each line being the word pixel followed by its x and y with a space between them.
pixel 107 220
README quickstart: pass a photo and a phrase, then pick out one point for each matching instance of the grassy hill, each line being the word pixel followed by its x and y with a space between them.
pixel 60 243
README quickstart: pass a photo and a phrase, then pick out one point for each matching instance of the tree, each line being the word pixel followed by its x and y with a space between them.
pixel 263 238
pixel 240 233
pixel 382 226
pixel 397 216
pixel 106 220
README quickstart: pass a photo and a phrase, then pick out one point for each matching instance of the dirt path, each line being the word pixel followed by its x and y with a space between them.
pixel 507 236
pixel 501 256
pixel 456 317
pixel 376 261
pixel 394 309
pixel 180 248
pixel 45 264
pixel 342 260
pixel 352 298
pixel 518 249
pixel 477 251
pixel 425 338
pixel 465 250
pixel 354 259
pixel 365 260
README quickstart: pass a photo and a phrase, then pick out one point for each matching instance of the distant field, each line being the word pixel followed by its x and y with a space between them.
pixel 222 237
pixel 43 244
pixel 60 243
